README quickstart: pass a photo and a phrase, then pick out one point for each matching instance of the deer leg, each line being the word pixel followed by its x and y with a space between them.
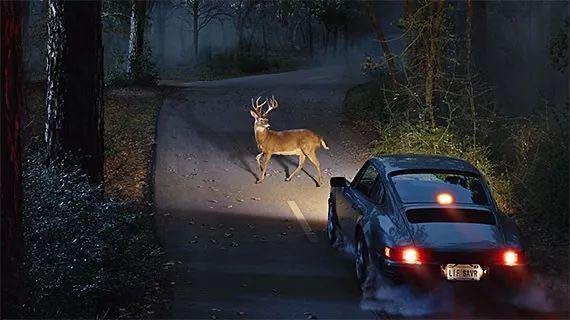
pixel 258 158
pixel 313 158
pixel 266 158
pixel 299 167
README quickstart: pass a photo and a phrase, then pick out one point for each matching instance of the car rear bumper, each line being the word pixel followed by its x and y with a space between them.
pixel 427 274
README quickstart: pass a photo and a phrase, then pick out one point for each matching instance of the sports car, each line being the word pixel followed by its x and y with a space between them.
pixel 424 218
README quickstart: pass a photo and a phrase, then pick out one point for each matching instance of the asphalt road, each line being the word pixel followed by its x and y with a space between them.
pixel 241 250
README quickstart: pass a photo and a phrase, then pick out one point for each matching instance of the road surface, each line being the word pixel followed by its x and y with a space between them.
pixel 243 250
pixel 246 250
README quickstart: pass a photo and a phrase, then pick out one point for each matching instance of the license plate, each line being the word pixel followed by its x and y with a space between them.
pixel 463 272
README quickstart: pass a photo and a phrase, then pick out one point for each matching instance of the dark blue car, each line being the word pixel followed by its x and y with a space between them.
pixel 424 218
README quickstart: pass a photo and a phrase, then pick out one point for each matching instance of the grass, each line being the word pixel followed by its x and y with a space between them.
pixel 115 256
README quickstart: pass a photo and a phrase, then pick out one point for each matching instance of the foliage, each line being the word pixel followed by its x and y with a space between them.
pixel 235 63
pixel 82 250
pixel 539 171
pixel 559 47
pixel 116 16
pixel 144 71
pixel 420 138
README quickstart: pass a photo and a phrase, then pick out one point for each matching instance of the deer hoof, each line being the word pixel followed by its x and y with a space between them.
pixel 258 181
pixel 288 179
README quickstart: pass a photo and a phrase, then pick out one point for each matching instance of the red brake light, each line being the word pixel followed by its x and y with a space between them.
pixel 510 258
pixel 410 255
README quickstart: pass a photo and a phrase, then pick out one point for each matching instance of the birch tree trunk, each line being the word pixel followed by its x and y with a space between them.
pixel 74 101
pixel 136 35
pixel 11 152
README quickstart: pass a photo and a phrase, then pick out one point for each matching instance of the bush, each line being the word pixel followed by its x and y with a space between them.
pixel 539 171
pixel 85 254
pixel 234 63
pixel 419 138
pixel 143 73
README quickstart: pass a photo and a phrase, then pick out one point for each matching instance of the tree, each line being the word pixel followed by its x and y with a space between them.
pixel 11 152
pixel 385 48
pixel 436 25
pixel 136 35
pixel 203 12
pixel 74 126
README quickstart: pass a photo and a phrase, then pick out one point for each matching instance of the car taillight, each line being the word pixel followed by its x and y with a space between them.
pixel 410 255
pixel 407 255
pixel 510 257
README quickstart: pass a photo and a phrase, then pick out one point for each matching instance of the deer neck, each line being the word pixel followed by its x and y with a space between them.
pixel 261 134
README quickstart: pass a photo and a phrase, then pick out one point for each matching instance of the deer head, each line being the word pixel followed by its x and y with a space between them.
pixel 261 120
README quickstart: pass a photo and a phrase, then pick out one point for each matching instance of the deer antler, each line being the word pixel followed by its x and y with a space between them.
pixel 273 104
pixel 258 107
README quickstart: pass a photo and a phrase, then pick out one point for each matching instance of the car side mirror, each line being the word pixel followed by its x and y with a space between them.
pixel 338 182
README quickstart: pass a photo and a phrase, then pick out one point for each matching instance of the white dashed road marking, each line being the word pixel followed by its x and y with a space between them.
pixel 303 222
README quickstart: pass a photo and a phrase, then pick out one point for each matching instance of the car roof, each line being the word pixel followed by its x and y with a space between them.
pixel 403 162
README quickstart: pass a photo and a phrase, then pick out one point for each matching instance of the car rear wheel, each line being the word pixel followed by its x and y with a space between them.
pixel 333 232
pixel 362 261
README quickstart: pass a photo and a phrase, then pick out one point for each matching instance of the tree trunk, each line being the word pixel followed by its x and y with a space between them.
pixel 196 17
pixel 385 48
pixel 136 35
pixel 432 56
pixel 74 127
pixel 310 33
pixel 11 152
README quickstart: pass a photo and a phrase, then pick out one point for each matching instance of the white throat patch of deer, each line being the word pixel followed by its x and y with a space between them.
pixel 300 142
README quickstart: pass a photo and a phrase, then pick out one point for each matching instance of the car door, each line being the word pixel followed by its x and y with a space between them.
pixel 360 198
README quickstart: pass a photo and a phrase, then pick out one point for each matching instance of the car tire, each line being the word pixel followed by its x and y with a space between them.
pixel 362 258
pixel 333 231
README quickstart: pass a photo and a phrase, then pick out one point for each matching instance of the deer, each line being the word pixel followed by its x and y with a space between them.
pixel 300 142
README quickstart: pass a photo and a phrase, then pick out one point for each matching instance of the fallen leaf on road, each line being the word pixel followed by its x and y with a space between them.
pixel 283 233
pixel 213 201
pixel 240 200
pixel 241 313
pixel 213 241
pixel 235 244
pixel 228 235
pixel 229 206
pixel 256 198
pixel 274 290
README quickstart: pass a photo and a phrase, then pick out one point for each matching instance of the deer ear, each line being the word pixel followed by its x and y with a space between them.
pixel 253 114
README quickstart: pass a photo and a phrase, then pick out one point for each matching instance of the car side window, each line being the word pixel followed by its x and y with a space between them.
pixel 377 193
pixel 366 182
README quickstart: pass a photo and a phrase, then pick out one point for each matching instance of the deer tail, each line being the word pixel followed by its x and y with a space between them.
pixel 324 144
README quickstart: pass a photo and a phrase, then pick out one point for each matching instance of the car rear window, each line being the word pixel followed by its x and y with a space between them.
pixel 426 186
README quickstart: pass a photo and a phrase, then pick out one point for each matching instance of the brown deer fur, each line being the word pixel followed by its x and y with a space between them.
pixel 300 142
